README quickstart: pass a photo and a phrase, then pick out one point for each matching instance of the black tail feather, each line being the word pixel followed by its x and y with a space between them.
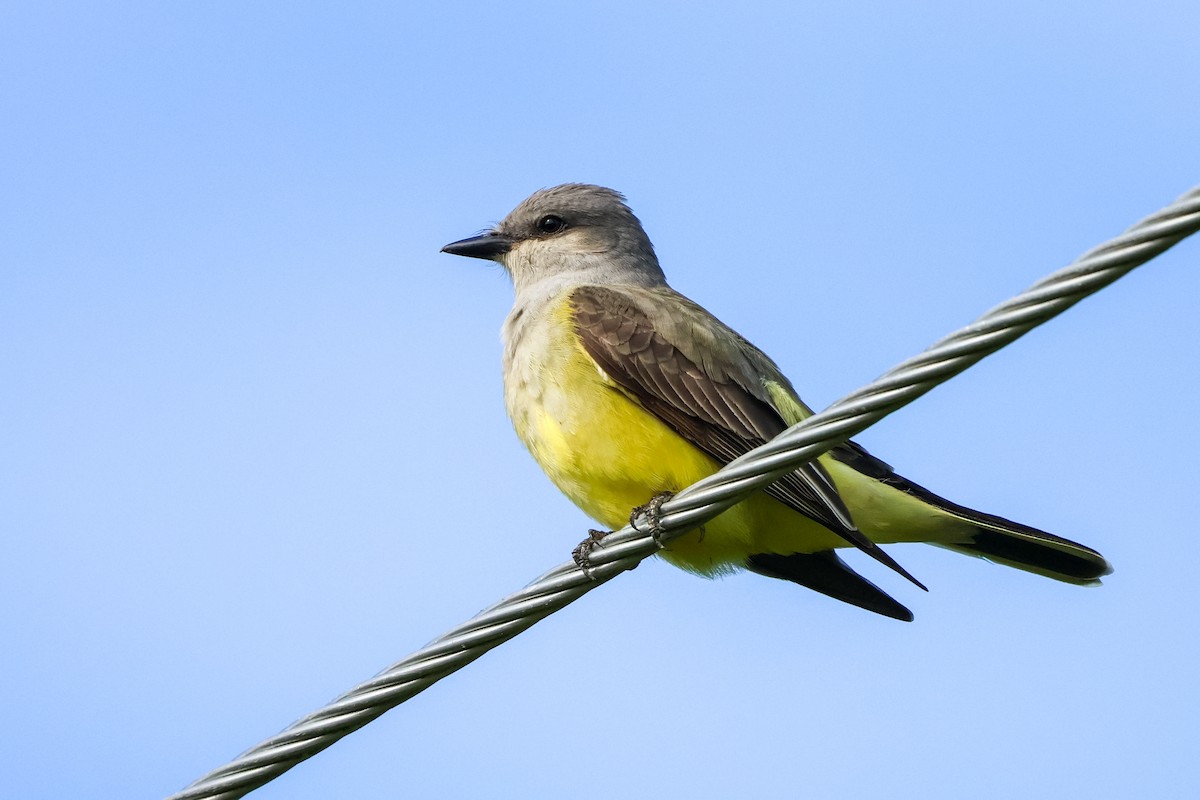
pixel 1035 551
pixel 980 534
pixel 826 573
pixel 1015 545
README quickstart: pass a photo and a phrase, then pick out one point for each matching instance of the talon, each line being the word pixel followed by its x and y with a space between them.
pixel 583 551
pixel 653 513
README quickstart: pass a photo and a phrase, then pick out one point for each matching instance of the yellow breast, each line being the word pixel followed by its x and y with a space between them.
pixel 609 455
pixel 597 445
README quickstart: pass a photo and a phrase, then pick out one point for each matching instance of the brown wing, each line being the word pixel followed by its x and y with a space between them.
pixel 722 418
pixel 719 414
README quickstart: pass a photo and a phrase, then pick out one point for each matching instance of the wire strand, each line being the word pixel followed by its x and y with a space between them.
pixel 693 506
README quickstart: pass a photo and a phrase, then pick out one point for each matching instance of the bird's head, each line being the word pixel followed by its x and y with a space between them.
pixel 573 232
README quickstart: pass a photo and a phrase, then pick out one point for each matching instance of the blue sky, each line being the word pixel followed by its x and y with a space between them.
pixel 253 447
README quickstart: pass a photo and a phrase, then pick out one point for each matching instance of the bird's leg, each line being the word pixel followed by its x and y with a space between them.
pixel 583 551
pixel 653 513
pixel 651 510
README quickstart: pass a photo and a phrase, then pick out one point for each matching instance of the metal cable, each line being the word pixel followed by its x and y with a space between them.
pixel 624 549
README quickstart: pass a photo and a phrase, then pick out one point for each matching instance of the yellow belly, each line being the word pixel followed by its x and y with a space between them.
pixel 609 455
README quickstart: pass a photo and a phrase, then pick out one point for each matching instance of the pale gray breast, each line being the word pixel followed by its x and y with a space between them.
pixel 528 338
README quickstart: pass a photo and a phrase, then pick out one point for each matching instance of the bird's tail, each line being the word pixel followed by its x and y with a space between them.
pixel 894 509
pixel 906 516
pixel 1013 544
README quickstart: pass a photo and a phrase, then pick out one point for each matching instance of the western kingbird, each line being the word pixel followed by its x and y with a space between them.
pixel 625 391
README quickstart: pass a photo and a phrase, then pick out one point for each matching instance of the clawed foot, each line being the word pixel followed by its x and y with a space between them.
pixel 653 513
pixel 583 551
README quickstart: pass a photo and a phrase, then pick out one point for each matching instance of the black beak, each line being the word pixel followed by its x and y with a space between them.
pixel 490 245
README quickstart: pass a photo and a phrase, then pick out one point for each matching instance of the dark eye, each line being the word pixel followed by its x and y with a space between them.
pixel 551 224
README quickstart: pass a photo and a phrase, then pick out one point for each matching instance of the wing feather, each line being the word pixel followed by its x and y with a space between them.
pixel 707 405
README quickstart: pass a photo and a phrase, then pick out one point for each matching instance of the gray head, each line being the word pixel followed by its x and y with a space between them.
pixel 569 233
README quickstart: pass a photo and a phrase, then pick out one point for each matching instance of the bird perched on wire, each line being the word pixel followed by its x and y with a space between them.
pixel 625 391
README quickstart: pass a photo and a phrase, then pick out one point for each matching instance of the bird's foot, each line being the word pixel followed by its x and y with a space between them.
pixel 653 513
pixel 582 554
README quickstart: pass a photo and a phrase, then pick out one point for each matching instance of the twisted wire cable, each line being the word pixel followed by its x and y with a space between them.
pixel 624 549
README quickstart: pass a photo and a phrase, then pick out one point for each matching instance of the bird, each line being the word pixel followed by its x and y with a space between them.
pixel 625 391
